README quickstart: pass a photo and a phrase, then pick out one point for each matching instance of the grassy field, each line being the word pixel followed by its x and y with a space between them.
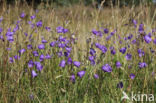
pixel 77 54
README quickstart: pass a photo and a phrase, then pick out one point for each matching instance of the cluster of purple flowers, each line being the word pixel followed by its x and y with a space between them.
pixel 62 47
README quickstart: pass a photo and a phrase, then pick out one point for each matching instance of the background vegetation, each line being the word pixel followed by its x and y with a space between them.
pixel 53 84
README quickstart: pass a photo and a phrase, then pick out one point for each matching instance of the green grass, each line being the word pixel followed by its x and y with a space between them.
pixel 53 85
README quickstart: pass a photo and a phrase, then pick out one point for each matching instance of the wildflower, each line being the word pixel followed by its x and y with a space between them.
pixel 96 76
pixel 48 28
pixel 76 63
pixel 11 60
pixel 81 73
pixel 106 31
pixel 113 52
pixel 48 56
pixel 141 53
pixel 123 50
pixel 92 51
pixel 132 76
pixel 33 17
pixel 38 66
pixel 52 44
pixel 147 39
pixel 21 51
pixel 120 85
pixel 42 57
pixel 72 78
pixel 142 65
pixel 41 46
pixel 128 56
pixel 33 73
pixel 39 24
pixel 22 15
pixel 69 61
pixel 30 64
pixel 107 68
pixel 35 53
pixel 154 41
pixel 118 64
pixel 44 41
pixel 62 63
pixel 29 46
pixel 141 28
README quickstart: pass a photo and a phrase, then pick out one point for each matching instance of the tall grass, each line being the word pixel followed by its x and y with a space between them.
pixel 52 84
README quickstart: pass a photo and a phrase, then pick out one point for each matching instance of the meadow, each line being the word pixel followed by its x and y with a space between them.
pixel 77 54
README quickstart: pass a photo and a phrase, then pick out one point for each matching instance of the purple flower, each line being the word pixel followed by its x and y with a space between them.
pixel 132 76
pixel 16 57
pixel 135 23
pixel 68 49
pixel 81 73
pixel 21 51
pixel 26 34
pixel 76 63
pixel 35 53
pixel 48 28
pixel 141 53
pixel 42 57
pixel 118 64
pixel 96 76
pixel 113 52
pixel 52 44
pixel 39 24
pixel 62 63
pixel 60 53
pixel 147 39
pixel 38 66
pixel 72 78
pixel 44 41
pixel 154 41
pixel 69 61
pixel 120 85
pixel 106 31
pixel 107 68
pixel 66 54
pixel 59 29
pixel 1 30
pixel 92 51
pixel 128 56
pixel 11 60
pixel 48 56
pixel 91 58
pixel 41 46
pixel 33 17
pixel 30 64
pixel 141 28
pixel 142 65
pixel 29 46
pixel 33 73
pixel 123 50
pixel 22 15
pixel 134 41
pixel 1 19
